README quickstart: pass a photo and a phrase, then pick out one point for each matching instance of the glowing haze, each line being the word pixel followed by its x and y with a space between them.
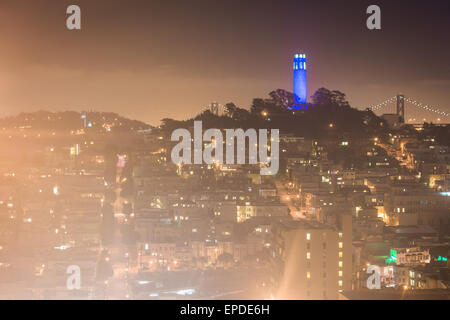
pixel 154 59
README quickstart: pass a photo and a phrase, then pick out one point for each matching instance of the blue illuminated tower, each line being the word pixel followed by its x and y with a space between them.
pixel 300 78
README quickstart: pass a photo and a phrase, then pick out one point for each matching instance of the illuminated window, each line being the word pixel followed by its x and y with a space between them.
pixel 340 264
pixel 308 236
pixel 308 275
pixel 340 245
pixel 340 234
pixel 340 273
pixel 340 283
pixel 308 255
pixel 340 254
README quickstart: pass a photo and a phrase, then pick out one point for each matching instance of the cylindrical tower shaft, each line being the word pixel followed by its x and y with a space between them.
pixel 300 84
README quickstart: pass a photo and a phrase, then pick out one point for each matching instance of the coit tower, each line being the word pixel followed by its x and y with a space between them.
pixel 300 77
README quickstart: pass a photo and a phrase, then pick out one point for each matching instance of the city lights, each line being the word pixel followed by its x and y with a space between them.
pixel 189 152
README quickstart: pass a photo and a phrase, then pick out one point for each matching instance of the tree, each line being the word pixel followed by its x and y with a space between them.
pixel 321 97
pixel 338 98
pixel 282 98
pixel 325 97
pixel 241 115
pixel 230 109
pixel 258 106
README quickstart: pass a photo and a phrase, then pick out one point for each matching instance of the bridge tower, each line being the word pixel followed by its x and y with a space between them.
pixel 401 107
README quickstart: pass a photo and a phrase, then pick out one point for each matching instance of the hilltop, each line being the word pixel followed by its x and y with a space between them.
pixel 328 115
pixel 72 121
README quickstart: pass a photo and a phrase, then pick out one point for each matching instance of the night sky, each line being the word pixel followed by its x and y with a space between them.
pixel 149 60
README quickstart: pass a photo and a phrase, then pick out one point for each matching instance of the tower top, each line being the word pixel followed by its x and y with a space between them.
pixel 300 61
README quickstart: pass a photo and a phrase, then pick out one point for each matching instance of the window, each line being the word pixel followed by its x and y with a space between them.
pixel 340 283
pixel 308 236
pixel 308 275
pixel 308 255
pixel 340 235
pixel 324 245
pixel 340 245
pixel 341 254
pixel 340 264
pixel 340 273
pixel 307 245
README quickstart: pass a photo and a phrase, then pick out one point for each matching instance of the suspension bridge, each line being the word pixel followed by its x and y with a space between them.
pixel 418 112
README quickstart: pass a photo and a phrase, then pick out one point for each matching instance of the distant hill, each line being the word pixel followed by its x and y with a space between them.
pixel 71 120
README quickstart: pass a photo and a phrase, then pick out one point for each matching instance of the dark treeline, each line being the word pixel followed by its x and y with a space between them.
pixel 328 115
